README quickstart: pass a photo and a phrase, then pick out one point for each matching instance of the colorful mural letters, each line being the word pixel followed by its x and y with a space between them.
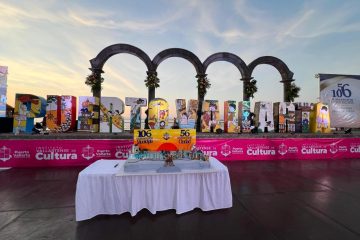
pixel 111 109
pixel 264 117
pixel 302 116
pixel 27 107
pixel 186 117
pixel 210 119
pixel 135 112
pixel 158 113
pixel 61 113
pixel 320 119
pixel 245 117
pixel 284 117
pixel 87 114
pixel 192 109
pixel 230 118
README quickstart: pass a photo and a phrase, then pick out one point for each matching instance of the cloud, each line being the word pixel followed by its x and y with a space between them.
pixel 318 21
pixel 108 20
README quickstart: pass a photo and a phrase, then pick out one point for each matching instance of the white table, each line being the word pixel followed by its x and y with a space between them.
pixel 103 188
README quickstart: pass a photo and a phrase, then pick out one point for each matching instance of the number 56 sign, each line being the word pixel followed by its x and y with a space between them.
pixel 165 139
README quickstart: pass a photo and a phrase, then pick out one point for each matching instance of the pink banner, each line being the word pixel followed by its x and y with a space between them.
pixel 46 153
pixel 281 149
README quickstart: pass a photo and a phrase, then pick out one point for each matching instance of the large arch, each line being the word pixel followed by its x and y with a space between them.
pixel 277 63
pixel 179 52
pixel 98 62
pixel 194 60
pixel 237 61
pixel 286 74
pixel 231 58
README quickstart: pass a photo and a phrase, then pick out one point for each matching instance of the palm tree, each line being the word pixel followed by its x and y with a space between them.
pixel 94 80
pixel 292 93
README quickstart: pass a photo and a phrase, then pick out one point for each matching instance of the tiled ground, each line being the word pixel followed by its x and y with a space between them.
pixel 271 200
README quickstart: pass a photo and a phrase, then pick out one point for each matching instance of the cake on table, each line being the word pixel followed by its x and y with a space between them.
pixel 164 151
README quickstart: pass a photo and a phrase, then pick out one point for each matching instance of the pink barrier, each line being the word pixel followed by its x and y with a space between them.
pixel 46 153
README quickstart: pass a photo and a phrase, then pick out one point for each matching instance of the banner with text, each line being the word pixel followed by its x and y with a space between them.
pixel 342 94
pixel 47 153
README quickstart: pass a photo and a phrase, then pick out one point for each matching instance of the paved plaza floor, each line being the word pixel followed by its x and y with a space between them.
pixel 271 200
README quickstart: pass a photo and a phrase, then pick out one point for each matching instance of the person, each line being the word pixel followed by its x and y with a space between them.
pixel 44 123
pixel 176 124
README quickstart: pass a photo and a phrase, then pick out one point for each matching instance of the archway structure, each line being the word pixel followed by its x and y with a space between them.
pixel 228 57
pixel 98 62
pixel 286 74
pixel 246 71
pixel 199 68
pixel 236 61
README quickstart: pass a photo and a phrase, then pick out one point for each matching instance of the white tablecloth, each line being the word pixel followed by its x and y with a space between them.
pixel 103 188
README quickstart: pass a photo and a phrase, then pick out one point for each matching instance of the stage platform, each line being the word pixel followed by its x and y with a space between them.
pixel 82 149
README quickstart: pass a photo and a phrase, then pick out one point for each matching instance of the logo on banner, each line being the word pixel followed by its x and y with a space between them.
pixel 5 153
pixel 225 150
pixel 282 149
pixel 333 148
pixel 166 136
pixel 88 152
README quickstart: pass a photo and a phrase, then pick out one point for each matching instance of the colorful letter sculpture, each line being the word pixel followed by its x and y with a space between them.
pixel 230 118
pixel 186 117
pixel 302 116
pixel 320 119
pixel 61 113
pixel 158 113
pixel 3 87
pixel 135 112
pixel 210 119
pixel 284 117
pixel 111 109
pixel 244 116
pixel 87 114
pixel 181 113
pixel 264 118
pixel 27 107
pixel 192 112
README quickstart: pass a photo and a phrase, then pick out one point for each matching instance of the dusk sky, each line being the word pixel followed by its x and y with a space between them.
pixel 47 45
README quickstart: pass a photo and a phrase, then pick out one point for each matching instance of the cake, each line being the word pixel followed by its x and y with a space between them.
pixel 164 151
pixel 166 161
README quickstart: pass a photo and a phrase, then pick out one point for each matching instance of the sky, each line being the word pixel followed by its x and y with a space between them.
pixel 47 45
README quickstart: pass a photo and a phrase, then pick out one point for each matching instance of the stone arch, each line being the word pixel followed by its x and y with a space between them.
pixel 231 58
pixel 277 63
pixel 179 52
pixel 286 74
pixel 237 61
pixel 194 60
pixel 98 62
